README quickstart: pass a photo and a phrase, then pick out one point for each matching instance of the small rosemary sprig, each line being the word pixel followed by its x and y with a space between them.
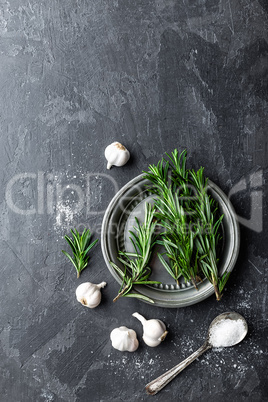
pixel 136 270
pixel 80 246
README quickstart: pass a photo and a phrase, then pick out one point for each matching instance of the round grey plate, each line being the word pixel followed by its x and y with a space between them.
pixel 119 218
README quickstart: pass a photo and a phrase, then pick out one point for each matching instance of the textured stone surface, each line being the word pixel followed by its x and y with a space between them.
pixel 155 75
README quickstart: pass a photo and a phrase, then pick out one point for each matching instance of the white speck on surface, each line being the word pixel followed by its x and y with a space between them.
pixel 47 395
pixel 64 212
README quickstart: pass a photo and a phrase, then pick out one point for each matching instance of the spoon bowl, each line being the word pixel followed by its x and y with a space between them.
pixel 227 329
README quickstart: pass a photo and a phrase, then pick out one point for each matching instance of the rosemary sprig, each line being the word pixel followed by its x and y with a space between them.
pixel 136 270
pixel 80 246
pixel 208 236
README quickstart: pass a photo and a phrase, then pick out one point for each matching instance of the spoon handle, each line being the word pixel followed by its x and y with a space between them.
pixel 156 385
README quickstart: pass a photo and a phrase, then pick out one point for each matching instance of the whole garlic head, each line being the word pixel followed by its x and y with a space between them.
pixel 124 339
pixel 89 294
pixel 154 331
pixel 116 154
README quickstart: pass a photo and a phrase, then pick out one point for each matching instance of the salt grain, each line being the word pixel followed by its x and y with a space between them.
pixel 226 333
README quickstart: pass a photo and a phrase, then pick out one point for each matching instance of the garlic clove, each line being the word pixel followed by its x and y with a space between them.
pixel 116 154
pixel 89 294
pixel 154 330
pixel 124 339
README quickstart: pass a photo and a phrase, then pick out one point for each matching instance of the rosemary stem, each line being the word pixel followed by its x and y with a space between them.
pixel 194 282
pixel 216 289
pixel 120 293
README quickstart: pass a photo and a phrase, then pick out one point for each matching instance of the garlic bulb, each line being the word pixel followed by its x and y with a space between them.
pixel 116 154
pixel 89 294
pixel 124 339
pixel 154 331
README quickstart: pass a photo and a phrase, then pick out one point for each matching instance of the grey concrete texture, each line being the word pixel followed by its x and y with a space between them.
pixel 154 75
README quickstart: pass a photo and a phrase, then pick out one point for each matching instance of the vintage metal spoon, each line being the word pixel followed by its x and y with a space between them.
pixel 235 334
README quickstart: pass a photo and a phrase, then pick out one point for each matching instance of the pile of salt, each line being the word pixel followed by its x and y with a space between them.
pixel 226 333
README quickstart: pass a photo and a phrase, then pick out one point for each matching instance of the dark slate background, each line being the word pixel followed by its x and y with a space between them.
pixel 155 75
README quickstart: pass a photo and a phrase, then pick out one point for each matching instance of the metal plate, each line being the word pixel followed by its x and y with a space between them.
pixel 118 220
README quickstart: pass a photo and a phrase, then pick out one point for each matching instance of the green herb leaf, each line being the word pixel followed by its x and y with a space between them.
pixel 139 296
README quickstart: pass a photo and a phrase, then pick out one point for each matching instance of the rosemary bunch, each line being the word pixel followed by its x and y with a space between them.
pixel 183 203
pixel 136 270
pixel 80 246
pixel 177 240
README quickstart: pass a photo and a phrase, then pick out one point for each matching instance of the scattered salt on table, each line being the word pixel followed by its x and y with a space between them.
pixel 226 333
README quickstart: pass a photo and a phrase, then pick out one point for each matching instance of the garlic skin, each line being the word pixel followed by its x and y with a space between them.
pixel 124 339
pixel 116 155
pixel 89 294
pixel 154 331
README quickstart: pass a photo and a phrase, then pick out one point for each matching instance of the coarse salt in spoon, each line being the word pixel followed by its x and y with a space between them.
pixel 227 329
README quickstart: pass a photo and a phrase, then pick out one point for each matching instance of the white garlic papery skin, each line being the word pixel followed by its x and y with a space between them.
pixel 154 331
pixel 124 339
pixel 89 294
pixel 116 154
